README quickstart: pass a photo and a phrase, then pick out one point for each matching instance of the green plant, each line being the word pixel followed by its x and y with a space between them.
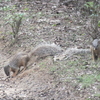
pixel 97 95
pixel 88 99
pixel 89 4
pixel 87 80
pixel 53 68
pixel 99 24
pixel 42 64
pixel 93 8
pixel 13 18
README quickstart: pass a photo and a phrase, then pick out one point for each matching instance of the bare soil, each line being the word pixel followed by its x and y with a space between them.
pixel 48 80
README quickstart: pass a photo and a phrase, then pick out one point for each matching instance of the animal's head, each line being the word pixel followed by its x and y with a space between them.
pixel 7 70
pixel 95 44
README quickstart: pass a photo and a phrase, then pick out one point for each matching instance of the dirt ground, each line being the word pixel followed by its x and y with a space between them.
pixel 48 80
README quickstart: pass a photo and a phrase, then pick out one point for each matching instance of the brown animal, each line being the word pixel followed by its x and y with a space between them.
pixel 95 49
pixel 21 59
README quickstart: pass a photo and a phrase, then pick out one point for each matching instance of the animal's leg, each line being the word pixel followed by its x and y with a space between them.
pixel 15 72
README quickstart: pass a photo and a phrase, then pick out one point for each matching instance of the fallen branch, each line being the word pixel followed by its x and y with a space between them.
pixel 69 52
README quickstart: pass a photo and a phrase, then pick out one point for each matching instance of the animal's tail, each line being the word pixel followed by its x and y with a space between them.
pixel 46 49
pixel 7 70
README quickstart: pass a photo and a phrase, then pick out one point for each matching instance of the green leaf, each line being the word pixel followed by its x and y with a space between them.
pixel 90 4
pixel 26 9
pixel 86 5
pixel 98 23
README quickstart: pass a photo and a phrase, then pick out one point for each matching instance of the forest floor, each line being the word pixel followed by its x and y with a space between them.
pixel 75 78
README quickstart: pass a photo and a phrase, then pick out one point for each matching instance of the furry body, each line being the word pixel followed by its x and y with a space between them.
pixel 95 49
pixel 21 59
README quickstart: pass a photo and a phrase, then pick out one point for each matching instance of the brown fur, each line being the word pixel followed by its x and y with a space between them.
pixel 95 49
pixel 21 59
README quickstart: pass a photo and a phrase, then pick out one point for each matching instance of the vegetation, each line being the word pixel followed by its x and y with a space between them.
pixel 93 9
pixel 13 18
pixel 76 77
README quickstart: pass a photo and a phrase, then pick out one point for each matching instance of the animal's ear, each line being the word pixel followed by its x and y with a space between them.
pixel 7 70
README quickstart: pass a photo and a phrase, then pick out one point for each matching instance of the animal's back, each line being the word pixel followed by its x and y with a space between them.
pixel 18 60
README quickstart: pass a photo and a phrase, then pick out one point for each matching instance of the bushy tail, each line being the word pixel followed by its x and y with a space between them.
pixel 46 49
pixel 7 70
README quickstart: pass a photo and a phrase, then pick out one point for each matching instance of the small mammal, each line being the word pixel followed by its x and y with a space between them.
pixel 95 49
pixel 21 59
